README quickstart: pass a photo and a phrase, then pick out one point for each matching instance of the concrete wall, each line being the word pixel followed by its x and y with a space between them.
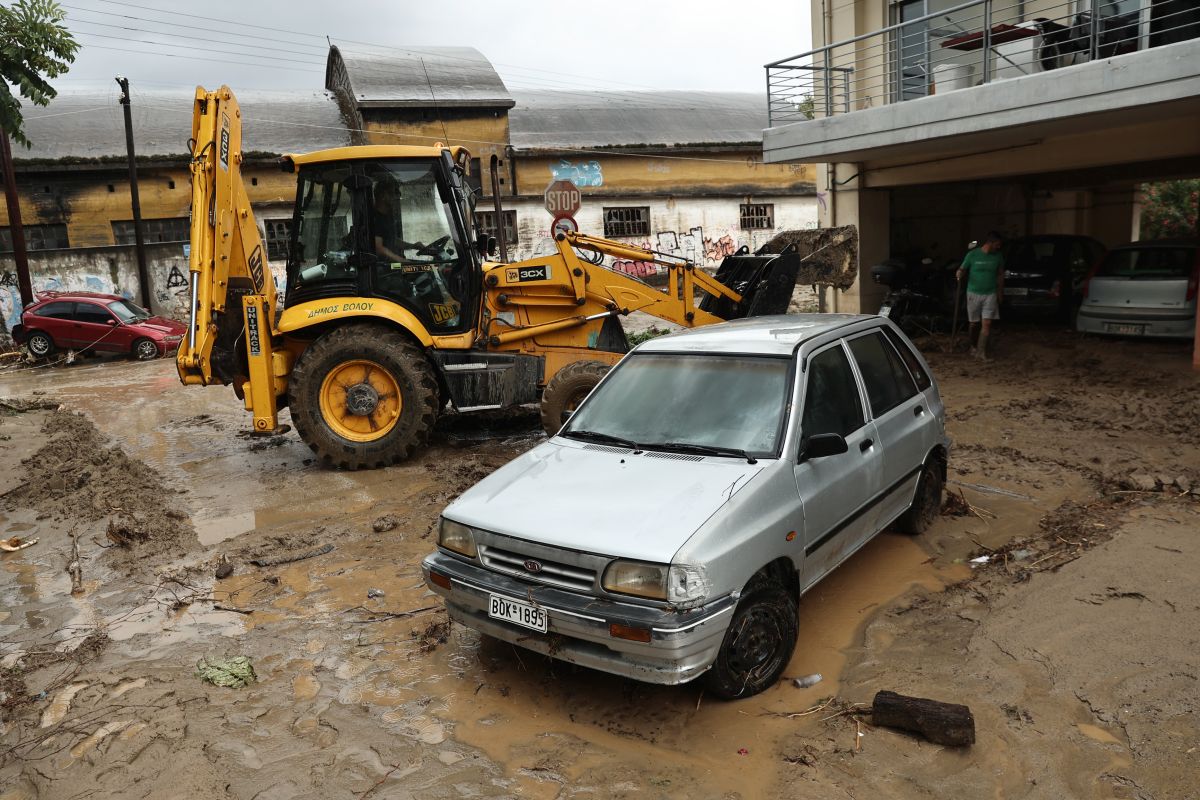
pixel 110 270
pixel 671 174
pixel 704 230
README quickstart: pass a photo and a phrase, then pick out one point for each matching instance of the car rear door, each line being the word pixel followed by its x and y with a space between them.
pixel 836 492
pixel 901 420
pixel 58 320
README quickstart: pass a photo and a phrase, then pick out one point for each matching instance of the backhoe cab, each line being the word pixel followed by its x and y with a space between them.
pixel 392 310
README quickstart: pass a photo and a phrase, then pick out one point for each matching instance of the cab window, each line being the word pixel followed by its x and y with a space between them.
pixel 832 403
pixel 884 374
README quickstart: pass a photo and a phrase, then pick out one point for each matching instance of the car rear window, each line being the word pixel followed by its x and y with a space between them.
pixel 887 379
pixel 1149 263
pixel 910 360
pixel 90 312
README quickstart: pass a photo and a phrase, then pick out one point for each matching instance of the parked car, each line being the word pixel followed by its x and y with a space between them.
pixel 99 322
pixel 670 528
pixel 1144 289
pixel 1043 274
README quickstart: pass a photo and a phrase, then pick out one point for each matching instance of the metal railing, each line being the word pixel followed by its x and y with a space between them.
pixel 972 43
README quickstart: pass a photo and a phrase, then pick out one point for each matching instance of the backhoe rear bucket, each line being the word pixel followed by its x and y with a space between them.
pixel 765 283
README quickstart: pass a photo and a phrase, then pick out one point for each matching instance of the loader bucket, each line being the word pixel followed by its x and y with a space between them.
pixel 765 283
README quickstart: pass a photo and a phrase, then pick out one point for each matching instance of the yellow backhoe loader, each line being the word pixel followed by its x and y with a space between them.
pixel 393 308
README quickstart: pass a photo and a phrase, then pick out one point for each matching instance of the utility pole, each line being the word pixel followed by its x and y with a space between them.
pixel 139 243
pixel 14 222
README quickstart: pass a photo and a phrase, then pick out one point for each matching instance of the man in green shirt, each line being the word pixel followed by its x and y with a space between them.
pixel 983 268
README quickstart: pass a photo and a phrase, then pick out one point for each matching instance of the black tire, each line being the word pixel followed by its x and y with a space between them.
pixel 40 344
pixel 144 350
pixel 758 644
pixel 927 502
pixel 403 365
pixel 566 391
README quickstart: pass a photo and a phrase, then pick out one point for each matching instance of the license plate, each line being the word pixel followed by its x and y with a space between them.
pixel 885 311
pixel 1128 330
pixel 1020 292
pixel 516 612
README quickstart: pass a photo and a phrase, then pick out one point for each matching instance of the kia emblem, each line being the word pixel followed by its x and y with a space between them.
pixel 532 566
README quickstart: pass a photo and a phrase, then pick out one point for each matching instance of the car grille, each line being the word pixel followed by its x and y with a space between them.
pixel 554 573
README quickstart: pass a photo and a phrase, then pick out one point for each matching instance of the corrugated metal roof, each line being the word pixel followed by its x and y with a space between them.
pixel 91 124
pixel 451 77
pixel 584 119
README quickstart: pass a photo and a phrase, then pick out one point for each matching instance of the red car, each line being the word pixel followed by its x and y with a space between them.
pixel 98 322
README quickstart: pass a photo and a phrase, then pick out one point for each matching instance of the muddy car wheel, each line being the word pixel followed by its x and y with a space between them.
pixel 363 396
pixel 758 643
pixel 566 391
pixel 144 350
pixel 926 504
pixel 40 344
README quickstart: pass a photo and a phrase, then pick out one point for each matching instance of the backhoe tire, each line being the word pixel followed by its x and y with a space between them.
pixel 566 391
pixel 363 396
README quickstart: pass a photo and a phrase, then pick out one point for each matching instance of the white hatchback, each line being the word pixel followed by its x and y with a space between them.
pixel 671 527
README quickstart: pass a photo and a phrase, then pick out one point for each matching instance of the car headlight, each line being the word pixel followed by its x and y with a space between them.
pixel 687 585
pixel 636 578
pixel 456 537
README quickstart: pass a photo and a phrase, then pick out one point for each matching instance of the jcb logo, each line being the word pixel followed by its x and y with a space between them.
pixel 522 274
pixel 224 151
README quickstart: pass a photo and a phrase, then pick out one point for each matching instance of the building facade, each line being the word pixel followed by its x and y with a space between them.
pixel 934 121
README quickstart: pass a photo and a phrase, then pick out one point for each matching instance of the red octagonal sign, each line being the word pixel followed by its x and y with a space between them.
pixel 563 199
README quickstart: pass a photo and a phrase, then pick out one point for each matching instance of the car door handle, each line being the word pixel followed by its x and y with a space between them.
pixel 865 445
pixel 918 411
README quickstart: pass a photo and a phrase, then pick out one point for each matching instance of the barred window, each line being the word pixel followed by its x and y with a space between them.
pixel 485 221
pixel 167 229
pixel 626 221
pixel 37 237
pixel 757 216
pixel 279 232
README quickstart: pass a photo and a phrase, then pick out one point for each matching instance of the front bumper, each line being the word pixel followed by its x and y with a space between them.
pixel 683 644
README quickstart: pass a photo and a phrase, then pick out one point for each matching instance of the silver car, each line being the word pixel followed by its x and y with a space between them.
pixel 1144 289
pixel 713 477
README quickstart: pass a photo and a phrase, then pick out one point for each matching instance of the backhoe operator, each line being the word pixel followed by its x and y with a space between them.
pixel 385 222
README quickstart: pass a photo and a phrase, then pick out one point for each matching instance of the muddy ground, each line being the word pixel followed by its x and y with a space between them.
pixel 1074 642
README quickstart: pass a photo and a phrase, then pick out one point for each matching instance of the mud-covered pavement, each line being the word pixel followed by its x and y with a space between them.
pixel 1075 644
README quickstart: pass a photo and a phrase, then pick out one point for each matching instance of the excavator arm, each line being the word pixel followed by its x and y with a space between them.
pixel 227 266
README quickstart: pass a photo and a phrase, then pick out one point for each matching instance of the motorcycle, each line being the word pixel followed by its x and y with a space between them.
pixel 920 296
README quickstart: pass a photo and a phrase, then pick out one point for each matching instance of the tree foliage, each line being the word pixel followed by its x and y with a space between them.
pixel 1169 209
pixel 34 47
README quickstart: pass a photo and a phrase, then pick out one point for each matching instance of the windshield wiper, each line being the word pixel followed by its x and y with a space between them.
pixel 702 449
pixel 596 436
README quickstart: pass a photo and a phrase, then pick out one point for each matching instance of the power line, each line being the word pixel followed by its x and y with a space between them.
pixel 180 36
pixel 116 15
pixel 225 52
pixel 194 58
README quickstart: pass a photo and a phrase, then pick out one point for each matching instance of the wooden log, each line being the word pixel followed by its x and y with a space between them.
pixel 942 723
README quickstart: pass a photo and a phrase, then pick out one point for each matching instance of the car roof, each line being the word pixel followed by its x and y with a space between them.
pixel 46 297
pixel 779 335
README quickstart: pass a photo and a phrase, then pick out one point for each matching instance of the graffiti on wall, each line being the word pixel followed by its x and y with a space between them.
pixel 693 246
pixel 581 174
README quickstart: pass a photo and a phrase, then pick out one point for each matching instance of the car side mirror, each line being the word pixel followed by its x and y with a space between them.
pixel 822 445
pixel 487 245
pixel 113 322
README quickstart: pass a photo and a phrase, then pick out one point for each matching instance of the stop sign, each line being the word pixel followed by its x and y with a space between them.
pixel 562 199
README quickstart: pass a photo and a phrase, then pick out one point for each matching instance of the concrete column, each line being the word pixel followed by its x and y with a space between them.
pixel 868 210
pixel 1114 216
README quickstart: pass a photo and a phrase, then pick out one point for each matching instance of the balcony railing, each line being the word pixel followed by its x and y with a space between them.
pixel 966 45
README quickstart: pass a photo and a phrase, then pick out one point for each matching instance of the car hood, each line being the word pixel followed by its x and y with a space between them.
pixel 606 501
pixel 162 325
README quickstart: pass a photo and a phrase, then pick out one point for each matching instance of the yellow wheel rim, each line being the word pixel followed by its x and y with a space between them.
pixel 360 400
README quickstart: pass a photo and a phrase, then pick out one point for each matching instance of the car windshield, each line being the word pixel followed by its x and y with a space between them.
pixel 1148 263
pixel 693 400
pixel 127 311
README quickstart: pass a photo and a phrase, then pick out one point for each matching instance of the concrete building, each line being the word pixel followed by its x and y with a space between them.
pixel 933 121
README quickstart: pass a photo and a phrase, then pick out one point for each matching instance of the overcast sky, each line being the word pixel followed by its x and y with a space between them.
pixel 533 44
